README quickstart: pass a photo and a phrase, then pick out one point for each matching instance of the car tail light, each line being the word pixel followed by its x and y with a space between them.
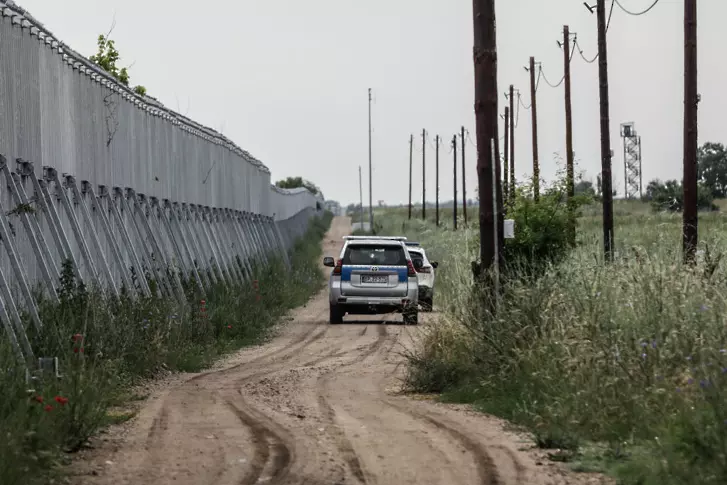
pixel 337 268
pixel 425 269
pixel 412 271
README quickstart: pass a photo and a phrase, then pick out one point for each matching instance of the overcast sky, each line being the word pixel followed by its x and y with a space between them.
pixel 287 79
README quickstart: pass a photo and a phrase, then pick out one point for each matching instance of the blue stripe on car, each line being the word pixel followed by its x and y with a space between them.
pixel 402 271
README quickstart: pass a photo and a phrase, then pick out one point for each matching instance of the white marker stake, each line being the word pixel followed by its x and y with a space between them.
pixel 494 220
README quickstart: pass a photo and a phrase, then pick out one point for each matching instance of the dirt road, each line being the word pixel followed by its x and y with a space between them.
pixel 318 405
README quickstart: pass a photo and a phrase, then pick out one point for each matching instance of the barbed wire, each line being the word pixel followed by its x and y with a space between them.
pixel 636 14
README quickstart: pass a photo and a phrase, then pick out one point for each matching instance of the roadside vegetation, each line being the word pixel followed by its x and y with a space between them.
pixel 616 367
pixel 105 347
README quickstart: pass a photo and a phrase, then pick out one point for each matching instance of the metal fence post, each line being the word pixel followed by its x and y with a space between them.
pixel 50 272
pixel 96 206
pixel 112 201
pixel 202 250
pixel 198 212
pixel 71 183
pixel 51 175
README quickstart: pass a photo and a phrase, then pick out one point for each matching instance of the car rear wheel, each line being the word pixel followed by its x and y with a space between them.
pixel 411 317
pixel 335 314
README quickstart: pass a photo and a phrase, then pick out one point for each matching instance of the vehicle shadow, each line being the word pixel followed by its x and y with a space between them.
pixel 371 321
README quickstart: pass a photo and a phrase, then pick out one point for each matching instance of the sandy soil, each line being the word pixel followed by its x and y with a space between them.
pixel 320 404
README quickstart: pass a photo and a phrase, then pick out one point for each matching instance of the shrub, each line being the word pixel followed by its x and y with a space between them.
pixel 669 196
pixel 541 228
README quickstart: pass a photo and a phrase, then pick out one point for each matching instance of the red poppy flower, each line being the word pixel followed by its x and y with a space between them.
pixel 48 408
pixel 77 337
pixel 61 400
pixel 229 326
pixel 38 399
pixel 75 350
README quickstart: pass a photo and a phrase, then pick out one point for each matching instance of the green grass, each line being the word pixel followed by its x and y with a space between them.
pixel 623 366
pixel 105 347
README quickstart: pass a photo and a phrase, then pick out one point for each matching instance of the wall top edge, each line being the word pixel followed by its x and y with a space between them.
pixel 25 20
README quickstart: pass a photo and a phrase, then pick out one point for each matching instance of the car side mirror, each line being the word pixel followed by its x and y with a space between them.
pixel 328 262
pixel 435 264
pixel 418 263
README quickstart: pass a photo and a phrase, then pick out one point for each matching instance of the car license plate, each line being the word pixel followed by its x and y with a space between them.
pixel 374 279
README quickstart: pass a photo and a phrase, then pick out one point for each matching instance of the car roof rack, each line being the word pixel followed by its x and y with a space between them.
pixel 369 238
pixel 412 243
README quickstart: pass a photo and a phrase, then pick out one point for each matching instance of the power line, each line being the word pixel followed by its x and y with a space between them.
pixel 548 82
pixel 580 51
pixel 608 24
pixel 520 101
pixel 636 14
pixel 572 52
pixel 610 13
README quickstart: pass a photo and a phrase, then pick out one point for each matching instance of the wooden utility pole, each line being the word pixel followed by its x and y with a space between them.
pixel 512 144
pixel 411 162
pixel 371 198
pixel 534 115
pixel 436 180
pixel 505 189
pixel 454 152
pixel 691 98
pixel 424 175
pixel 606 185
pixel 486 116
pixel 570 182
pixel 464 181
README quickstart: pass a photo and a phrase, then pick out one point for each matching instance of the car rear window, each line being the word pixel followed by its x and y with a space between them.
pixel 416 257
pixel 372 254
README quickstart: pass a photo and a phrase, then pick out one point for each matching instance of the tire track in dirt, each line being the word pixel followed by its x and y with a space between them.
pixel 267 442
pixel 486 467
pixel 266 438
pixel 160 425
pixel 344 445
pixel 302 338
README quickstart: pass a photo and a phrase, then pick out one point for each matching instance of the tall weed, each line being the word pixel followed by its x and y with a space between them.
pixel 105 345
pixel 631 355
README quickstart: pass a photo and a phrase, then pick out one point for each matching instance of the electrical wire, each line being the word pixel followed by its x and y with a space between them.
pixel 469 138
pixel 520 100
pixel 636 14
pixel 610 13
pixel 608 24
pixel 548 82
pixel 580 51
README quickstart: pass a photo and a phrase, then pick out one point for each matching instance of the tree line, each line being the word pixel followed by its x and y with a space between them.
pixel 668 195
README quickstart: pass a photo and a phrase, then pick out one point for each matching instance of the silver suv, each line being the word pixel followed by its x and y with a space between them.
pixel 373 276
